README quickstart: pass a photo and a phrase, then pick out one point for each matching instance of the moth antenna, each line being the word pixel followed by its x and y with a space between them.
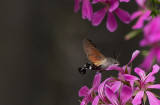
pixel 115 55
pixel 118 56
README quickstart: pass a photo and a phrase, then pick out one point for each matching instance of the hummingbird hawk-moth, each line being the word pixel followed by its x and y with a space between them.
pixel 97 61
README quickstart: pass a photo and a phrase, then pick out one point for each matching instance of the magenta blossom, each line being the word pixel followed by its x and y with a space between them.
pixel 144 83
pixel 125 69
pixel 114 86
pixel 122 69
pixel 87 11
pixel 111 6
pixel 126 89
pixel 88 93
pixel 152 38
pixel 125 95
pixel 143 14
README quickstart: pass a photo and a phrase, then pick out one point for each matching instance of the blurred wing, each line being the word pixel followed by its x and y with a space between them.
pixel 92 53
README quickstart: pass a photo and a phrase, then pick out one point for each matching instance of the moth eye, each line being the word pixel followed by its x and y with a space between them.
pixel 114 62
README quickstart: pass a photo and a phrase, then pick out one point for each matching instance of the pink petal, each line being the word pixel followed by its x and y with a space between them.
pixel 139 23
pixel 111 22
pixel 146 64
pixel 87 11
pixel 155 37
pixel 114 67
pixel 141 2
pixel 129 77
pixel 123 15
pixel 90 96
pixel 142 18
pixel 154 71
pixel 152 99
pixel 98 16
pixel 156 24
pixel 111 96
pixel 83 91
pixel 155 86
pixel 124 0
pixel 147 15
pixel 150 79
pixel 95 101
pixel 137 99
pixel 128 69
pixel 113 5
pixel 134 55
pixel 97 80
pixel 116 86
pixel 82 103
pixel 143 42
pixel 76 5
pixel 136 14
pixel 101 91
pixel 85 100
pixel 141 73
pixel 147 29
pixel 126 94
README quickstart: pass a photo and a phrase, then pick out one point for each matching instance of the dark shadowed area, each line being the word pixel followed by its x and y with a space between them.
pixel 41 49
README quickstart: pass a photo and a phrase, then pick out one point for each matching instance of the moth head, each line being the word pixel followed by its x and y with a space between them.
pixel 113 61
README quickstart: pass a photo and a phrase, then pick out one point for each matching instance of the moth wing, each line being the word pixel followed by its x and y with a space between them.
pixel 92 53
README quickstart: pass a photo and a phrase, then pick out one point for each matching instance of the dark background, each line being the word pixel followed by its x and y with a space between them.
pixel 41 49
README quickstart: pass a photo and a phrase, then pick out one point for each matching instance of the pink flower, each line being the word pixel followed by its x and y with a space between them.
pixel 143 14
pixel 151 32
pixel 108 93
pixel 152 38
pixel 87 11
pixel 125 69
pixel 110 7
pixel 144 83
pixel 110 82
pixel 88 93
pixel 126 89
pixel 122 69
pixel 125 95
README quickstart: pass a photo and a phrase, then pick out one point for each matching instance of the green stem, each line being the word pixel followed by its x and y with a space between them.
pixel 153 2
pixel 155 12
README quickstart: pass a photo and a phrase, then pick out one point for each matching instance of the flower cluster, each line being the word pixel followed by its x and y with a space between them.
pixel 109 7
pixel 151 30
pixel 143 14
pixel 151 38
pixel 125 89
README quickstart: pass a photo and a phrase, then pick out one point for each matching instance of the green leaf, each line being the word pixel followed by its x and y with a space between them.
pixel 154 12
pixel 145 52
pixel 131 67
pixel 132 34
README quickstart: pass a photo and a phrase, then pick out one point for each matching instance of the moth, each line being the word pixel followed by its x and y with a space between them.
pixel 97 61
